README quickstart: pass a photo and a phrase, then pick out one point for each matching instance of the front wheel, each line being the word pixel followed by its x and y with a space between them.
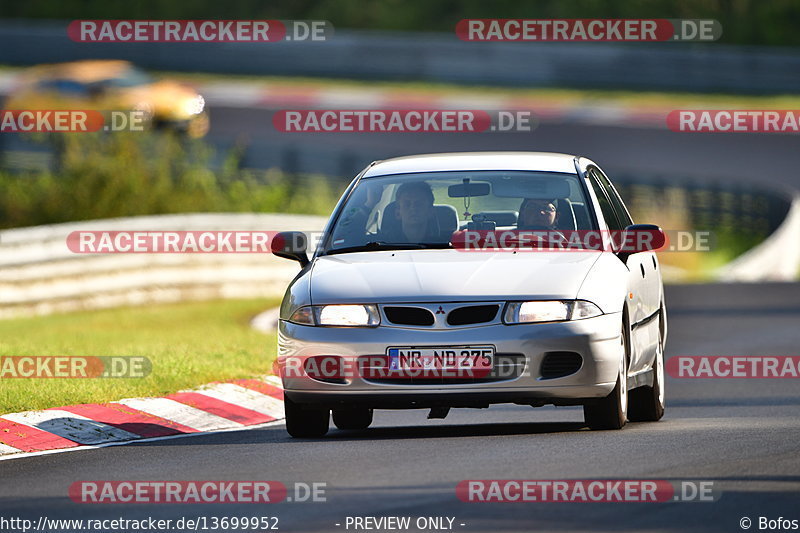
pixel 611 412
pixel 305 422
pixel 647 403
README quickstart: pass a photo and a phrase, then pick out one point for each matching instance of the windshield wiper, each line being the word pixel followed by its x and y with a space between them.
pixel 383 245
pixel 376 245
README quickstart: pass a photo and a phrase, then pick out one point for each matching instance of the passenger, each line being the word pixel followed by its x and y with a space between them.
pixel 537 214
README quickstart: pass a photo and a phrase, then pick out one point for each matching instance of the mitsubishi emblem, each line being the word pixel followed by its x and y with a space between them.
pixel 440 311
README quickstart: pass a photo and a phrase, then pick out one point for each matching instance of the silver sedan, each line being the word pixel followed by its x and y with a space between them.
pixel 468 279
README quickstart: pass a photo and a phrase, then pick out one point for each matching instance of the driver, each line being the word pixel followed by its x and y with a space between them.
pixel 416 218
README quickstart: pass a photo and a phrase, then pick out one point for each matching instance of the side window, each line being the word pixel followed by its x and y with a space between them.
pixel 616 201
pixel 605 205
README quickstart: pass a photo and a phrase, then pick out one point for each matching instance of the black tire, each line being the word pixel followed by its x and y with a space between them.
pixel 305 422
pixel 611 412
pixel 646 404
pixel 353 418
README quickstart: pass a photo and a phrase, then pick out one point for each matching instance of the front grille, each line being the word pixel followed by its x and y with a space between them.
pixel 560 364
pixel 507 366
pixel 473 314
pixel 409 316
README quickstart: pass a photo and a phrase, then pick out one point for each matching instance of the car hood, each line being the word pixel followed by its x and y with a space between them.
pixel 448 275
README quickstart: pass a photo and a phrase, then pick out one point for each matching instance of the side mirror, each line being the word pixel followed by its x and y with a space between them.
pixel 291 245
pixel 641 238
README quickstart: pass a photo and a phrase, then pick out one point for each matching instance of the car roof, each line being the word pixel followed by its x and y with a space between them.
pixel 533 161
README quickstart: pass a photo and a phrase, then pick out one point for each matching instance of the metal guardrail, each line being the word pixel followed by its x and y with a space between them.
pixel 735 207
pixel 708 67
pixel 41 275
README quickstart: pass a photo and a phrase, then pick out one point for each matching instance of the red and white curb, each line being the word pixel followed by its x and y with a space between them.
pixel 547 109
pixel 213 407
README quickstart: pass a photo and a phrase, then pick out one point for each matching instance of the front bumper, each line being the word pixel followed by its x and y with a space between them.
pixel 596 340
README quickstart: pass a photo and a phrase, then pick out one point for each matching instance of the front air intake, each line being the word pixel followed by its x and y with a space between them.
pixel 560 364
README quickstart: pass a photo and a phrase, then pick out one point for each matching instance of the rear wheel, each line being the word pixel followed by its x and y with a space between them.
pixel 611 412
pixel 647 403
pixel 352 418
pixel 305 422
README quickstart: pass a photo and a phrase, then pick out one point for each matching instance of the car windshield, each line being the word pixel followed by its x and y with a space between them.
pixel 131 77
pixel 425 210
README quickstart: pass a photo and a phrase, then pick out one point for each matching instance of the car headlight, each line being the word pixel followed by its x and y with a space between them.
pixel 194 105
pixel 549 311
pixel 584 309
pixel 337 315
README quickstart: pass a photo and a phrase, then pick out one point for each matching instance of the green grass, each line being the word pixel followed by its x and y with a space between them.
pixel 188 344
pixel 127 174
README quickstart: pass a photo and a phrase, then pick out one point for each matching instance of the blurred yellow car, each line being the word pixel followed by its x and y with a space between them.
pixel 110 85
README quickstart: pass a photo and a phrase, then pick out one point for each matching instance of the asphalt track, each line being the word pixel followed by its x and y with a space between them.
pixel 744 435
pixel 637 152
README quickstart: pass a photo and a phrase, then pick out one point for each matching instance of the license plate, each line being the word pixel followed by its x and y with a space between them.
pixel 441 358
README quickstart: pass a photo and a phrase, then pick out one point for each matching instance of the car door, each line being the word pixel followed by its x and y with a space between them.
pixel 646 331
pixel 639 299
